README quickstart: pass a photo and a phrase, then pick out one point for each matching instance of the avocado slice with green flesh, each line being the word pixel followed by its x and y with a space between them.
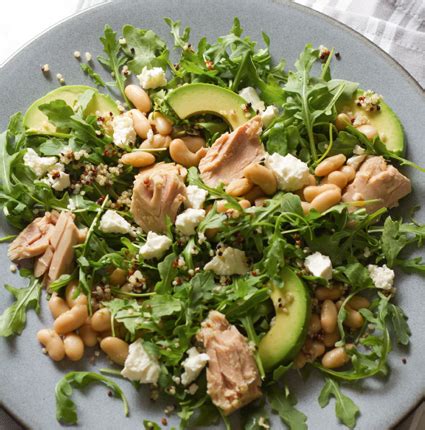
pixel 385 121
pixel 198 98
pixel 287 335
pixel 34 119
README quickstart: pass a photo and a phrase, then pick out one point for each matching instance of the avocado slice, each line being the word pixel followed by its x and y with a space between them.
pixel 385 121
pixel 199 98
pixel 35 120
pixel 287 335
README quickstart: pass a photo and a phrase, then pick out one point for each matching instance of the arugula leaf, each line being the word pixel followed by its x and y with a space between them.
pixel 164 305
pixel 13 319
pixel 66 411
pixel 345 409
pixel 283 402
pixel 96 78
pixel 115 58
pixel 392 240
pixel 144 48
pixel 167 272
pixel 6 162
pixel 255 417
pixel 150 425
pixel 399 324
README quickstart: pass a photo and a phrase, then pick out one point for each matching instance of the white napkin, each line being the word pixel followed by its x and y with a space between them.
pixel 397 26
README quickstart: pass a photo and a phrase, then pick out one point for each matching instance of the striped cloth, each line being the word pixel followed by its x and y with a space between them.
pixel 397 26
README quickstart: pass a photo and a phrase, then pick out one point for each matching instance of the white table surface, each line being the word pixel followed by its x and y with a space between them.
pixel 20 22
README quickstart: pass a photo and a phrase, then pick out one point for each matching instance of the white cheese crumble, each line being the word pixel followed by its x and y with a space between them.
pixel 230 261
pixel 193 365
pixel 58 180
pixel 382 276
pixel 291 173
pixel 358 150
pixel 156 245
pixel 356 161
pixel 195 197
pixel 251 96
pixel 113 222
pixel 39 165
pixel 269 115
pixel 124 133
pixel 188 220
pixel 140 366
pixel 319 265
pixel 152 78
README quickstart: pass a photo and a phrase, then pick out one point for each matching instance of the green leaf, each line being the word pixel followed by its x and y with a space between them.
pixel 283 403
pixel 150 425
pixel 255 417
pixel 399 324
pixel 345 409
pixel 66 410
pixel 164 305
pixel 95 77
pixel 392 240
pixel 167 271
pixel 6 162
pixel 13 319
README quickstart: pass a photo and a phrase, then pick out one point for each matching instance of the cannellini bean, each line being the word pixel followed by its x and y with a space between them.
pixel 162 125
pixel 261 176
pixel 244 204
pixel 312 191
pixel 194 143
pixel 328 316
pixel 317 349
pixel 341 121
pixel 116 349
pixel 101 320
pixel 181 154
pixel 139 97
pixel 368 130
pixel 138 159
pixel 326 200
pixel 353 319
pixel 314 325
pixel 70 291
pixel 140 123
pixel 312 180
pixel 358 302
pixel 74 346
pixel 335 358
pixel 323 293
pixel 57 305
pixel 306 207
pixel 330 164
pixel 349 172
pixel 71 320
pixel 118 276
pixel 158 141
pixel 337 178
pixel 53 343
pixel 255 193
pixel 87 334
pixel 329 339
pixel 300 360
pixel 239 187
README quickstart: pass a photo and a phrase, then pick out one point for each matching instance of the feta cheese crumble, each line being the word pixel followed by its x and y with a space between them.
pixel 195 197
pixel 319 265
pixel 193 365
pixel 58 180
pixel 140 366
pixel 232 261
pixel 188 220
pixel 39 165
pixel 113 222
pixel 124 133
pixel 269 115
pixel 156 245
pixel 382 276
pixel 290 172
pixel 152 78
pixel 251 96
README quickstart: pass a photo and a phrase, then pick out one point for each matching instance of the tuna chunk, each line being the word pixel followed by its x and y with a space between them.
pixel 231 153
pixel 232 375
pixel 62 261
pixel 377 180
pixel 30 242
pixel 43 262
pixel 158 192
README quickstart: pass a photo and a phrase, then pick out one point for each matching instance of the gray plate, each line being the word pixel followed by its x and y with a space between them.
pixel 28 378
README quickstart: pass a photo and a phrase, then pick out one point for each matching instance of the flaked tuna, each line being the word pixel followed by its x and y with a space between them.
pixel 232 375
pixel 231 153
pixel 377 180
pixel 158 192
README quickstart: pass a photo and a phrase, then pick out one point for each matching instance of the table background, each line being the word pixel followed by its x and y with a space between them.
pixel 397 26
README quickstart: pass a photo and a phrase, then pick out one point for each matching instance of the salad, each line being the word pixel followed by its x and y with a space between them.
pixel 223 223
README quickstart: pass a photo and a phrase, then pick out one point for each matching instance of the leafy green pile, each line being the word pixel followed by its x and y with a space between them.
pixel 176 295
